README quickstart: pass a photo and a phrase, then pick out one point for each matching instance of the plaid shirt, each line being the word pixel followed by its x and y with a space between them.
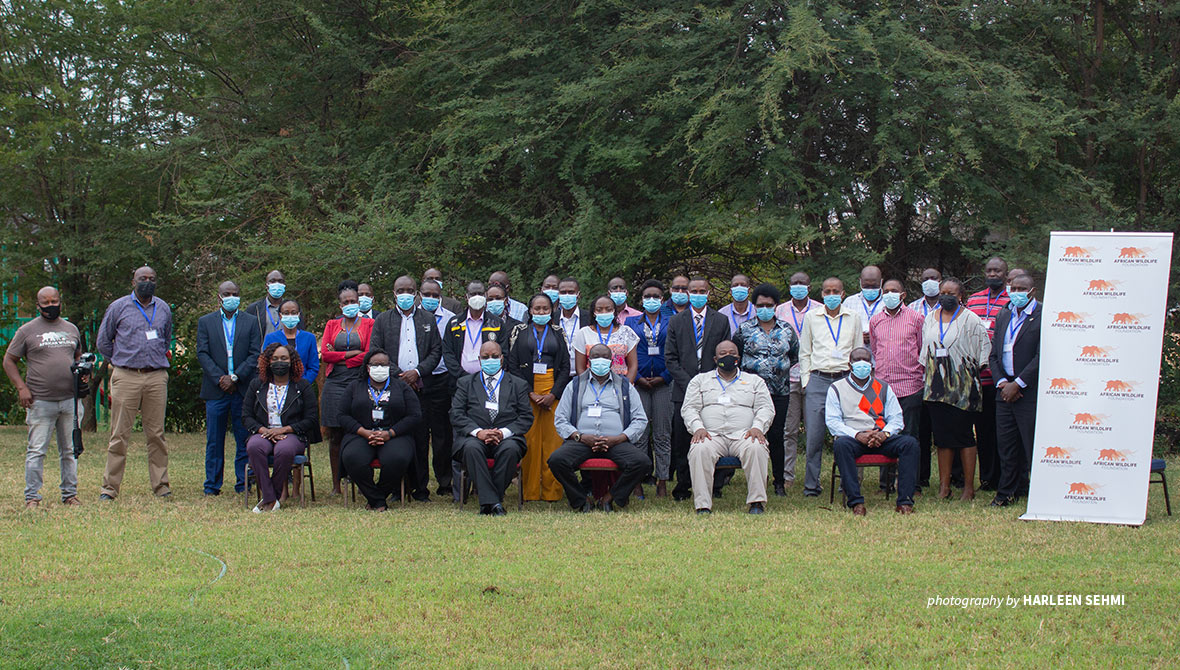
pixel 896 341
pixel 987 310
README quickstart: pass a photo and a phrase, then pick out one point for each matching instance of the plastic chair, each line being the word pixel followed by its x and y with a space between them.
pixel 1157 468
pixel 462 484
pixel 865 461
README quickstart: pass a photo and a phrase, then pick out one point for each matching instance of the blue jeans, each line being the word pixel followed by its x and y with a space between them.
pixel 902 447
pixel 226 409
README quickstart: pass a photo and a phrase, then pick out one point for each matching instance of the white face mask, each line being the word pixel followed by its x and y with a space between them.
pixel 379 373
pixel 477 302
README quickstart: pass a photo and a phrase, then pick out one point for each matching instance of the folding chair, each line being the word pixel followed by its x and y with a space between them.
pixel 1157 468
pixel 865 461
pixel 376 465
pixel 301 460
pixel 462 484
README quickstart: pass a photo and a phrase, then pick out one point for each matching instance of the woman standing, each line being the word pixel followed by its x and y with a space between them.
pixel 653 381
pixel 537 354
pixel 954 347
pixel 295 339
pixel 607 330
pixel 342 349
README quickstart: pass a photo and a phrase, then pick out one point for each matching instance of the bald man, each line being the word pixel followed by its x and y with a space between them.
pixel 515 308
pixel 50 345
pixel 266 309
pixel 448 303
pixel 866 303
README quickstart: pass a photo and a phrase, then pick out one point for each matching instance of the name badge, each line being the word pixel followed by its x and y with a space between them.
pixel 940 352
pixel 378 414
pixel 491 404
pixel 724 399
pixel 151 334
pixel 275 420
pixel 594 412
pixel 988 323
pixel 470 355
pixel 653 351
pixel 540 368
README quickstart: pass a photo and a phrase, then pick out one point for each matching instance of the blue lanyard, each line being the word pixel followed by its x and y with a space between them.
pixel 144 311
pixel 655 329
pixel 987 304
pixel 941 333
pixel 228 327
pixel 472 340
pixel 274 323
pixel 540 342
pixel 836 333
pixel 865 306
pixel 1015 325
pixel 733 314
pixel 347 332
pixel 377 396
pixel 597 392
pixel 925 307
pixel 492 390
pixel 598 329
pixel 279 402
pixel 795 320
pixel 724 386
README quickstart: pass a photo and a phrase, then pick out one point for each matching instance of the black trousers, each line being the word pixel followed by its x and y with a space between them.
pixel 911 414
pixel 925 444
pixel 985 440
pixel 680 443
pixel 436 424
pixel 356 455
pixel 1015 422
pixel 633 465
pixel 490 483
pixel 776 438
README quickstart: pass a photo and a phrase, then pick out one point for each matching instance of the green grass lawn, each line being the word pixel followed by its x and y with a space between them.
pixel 134 584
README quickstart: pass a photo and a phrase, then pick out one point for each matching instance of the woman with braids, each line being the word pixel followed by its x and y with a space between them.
pixel 282 415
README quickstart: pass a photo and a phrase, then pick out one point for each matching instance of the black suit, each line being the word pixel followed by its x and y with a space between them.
pixel 258 309
pixel 680 356
pixel 469 413
pixel 223 408
pixel 495 329
pixel 1015 421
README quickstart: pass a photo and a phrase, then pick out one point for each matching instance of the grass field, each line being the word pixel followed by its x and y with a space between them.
pixel 134 584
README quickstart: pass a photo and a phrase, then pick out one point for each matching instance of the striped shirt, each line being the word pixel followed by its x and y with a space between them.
pixel 987 309
pixel 897 347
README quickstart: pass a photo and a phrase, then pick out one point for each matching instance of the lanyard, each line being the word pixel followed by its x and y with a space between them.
pixel 733 313
pixel 565 323
pixel 274 394
pixel 865 306
pixel 987 305
pixel 376 396
pixel 598 329
pixel 228 327
pixel 347 332
pixel 492 390
pixel 540 342
pixel 597 392
pixel 653 330
pixel 724 386
pixel 925 307
pixel 438 320
pixel 274 323
pixel 472 340
pixel 941 333
pixel 144 311
pixel 836 333
pixel 795 319
pixel 1015 325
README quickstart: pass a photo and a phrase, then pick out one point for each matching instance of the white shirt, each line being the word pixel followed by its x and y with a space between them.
pixel 493 382
pixel 571 327
pixel 407 349
pixel 819 350
pixel 442 315
pixel 864 309
pixel 1010 336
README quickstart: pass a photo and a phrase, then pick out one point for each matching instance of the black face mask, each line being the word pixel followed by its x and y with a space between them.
pixel 145 289
pixel 51 312
pixel 994 282
pixel 727 363
pixel 280 368
pixel 948 302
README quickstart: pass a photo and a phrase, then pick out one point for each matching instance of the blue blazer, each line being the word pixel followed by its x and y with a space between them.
pixel 305 346
pixel 652 366
pixel 212 356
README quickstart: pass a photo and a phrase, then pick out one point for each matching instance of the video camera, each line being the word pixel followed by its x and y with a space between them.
pixel 83 367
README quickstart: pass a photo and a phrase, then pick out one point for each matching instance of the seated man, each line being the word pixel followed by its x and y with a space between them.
pixel 490 413
pixel 864 417
pixel 600 415
pixel 727 412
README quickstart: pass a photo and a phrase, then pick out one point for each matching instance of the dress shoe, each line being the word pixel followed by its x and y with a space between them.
pixel 165 495
pixel 443 491
pixel 1001 501
pixel 485 510
pixel 498 510
pixel 72 501
pixel 586 508
pixel 680 497
pixel 780 490
pixel 905 509
pixel 424 496
pixel 704 510
pixel 716 493
pixel 32 504
pixel 212 492
pixel 986 486
pixel 105 497
pixel 811 494
pixel 859 510
pixel 756 508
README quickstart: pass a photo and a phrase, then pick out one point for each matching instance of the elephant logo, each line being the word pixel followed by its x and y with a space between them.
pixel 1091 351
pixel 1112 455
pixel 1078 252
pixel 1058 452
pixel 1119 386
pixel 1133 252
pixel 1102 285
pixel 1082 488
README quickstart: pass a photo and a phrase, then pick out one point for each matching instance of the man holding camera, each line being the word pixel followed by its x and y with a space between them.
pixel 50 345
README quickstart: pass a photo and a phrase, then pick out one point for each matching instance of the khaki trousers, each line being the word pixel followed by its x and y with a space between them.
pixel 702 461
pixel 146 394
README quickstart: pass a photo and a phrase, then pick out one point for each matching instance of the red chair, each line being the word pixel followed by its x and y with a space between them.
pixel 376 465
pixel 491 463
pixel 606 473
pixel 866 461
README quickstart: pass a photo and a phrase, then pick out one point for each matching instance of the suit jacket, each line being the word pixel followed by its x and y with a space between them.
pixel 522 353
pixel 468 412
pixel 212 356
pixel 258 309
pixel 301 411
pixel 1026 349
pixel 680 349
pixel 387 335
pixel 495 329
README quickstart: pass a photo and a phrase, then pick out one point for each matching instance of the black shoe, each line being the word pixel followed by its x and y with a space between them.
pixel 485 510
pixel 498 510
pixel 986 486
pixel 211 494
pixel 756 508
pixel 586 508
pixel 680 497
pixel 716 493
pixel 704 510
pixel 780 490
pixel 104 497
pixel 422 497
pixel 1001 501
pixel 444 491
pixel 811 494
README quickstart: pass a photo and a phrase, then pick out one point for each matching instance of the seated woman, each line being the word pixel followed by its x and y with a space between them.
pixel 294 338
pixel 378 417
pixel 281 412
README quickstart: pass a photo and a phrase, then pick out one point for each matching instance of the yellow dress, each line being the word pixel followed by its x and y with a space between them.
pixel 542 440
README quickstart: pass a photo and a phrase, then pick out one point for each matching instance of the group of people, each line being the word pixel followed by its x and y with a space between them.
pixel 499 389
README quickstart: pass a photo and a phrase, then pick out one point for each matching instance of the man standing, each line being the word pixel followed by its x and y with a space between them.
pixel 514 308
pixel 50 345
pixel 928 302
pixel 436 394
pixel 266 309
pixel 896 336
pixel 450 304
pixel 678 294
pixel 738 311
pixel 364 300
pixel 987 305
pixel 793 312
pixel 829 336
pixel 1014 362
pixel 469 329
pixel 691 333
pixel 728 412
pixel 931 279
pixel 572 316
pixel 134 337
pixel 616 288
pixel 865 303
pixel 409 335
pixel 227 349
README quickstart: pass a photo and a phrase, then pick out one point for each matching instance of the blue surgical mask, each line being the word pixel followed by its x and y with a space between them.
pixel 277 289
pixel 618 297
pixel 892 300
pixel 765 313
pixel 430 304
pixel 679 298
pixel 799 291
pixel 698 300
pixel 542 319
pixel 1019 298
pixel 490 366
pixel 833 301
pixel 862 369
pixel 404 301
pixel 870 294
pixel 604 320
pixel 350 310
pixel 568 300
pixel 230 303
pixel 600 366
pixel 439 282
pixel 740 293
pixel 290 320
pixel 652 305
pixel 366 302
pixel 553 295
pixel 930 288
pixel 496 307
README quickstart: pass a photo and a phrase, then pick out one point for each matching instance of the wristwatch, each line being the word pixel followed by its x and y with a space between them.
pixel 233 378
pixel 576 437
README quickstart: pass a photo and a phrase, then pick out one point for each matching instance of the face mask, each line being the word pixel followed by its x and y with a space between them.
pixel 496 307
pixel 568 300
pixel 230 303
pixel 727 363
pixel 832 301
pixel 276 290
pixel 740 293
pixel 618 297
pixel 280 368
pixel 652 305
pixel 861 369
pixel 366 303
pixel 351 310
pixel 698 300
pixel 679 298
pixel 765 313
pixel 600 367
pixel 439 282
pixel 604 320
pixel 404 301
pixel 798 291
pixel 290 320
pixel 1019 298
pixel 477 302
pixel 948 302
pixel 553 295
pixel 994 282
pixel 51 312
pixel 892 300
pixel 490 366
pixel 430 304
pixel 930 288
pixel 870 294
pixel 379 373
pixel 145 289
pixel 542 319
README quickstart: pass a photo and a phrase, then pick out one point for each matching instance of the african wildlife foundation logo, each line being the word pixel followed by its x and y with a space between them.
pixel 1125 322
pixel 1080 256
pixel 1104 288
pixel 1072 321
pixel 1087 422
pixel 1121 389
pixel 1059 457
pixel 1116 459
pixel 1094 355
pixel 1135 256
pixel 1085 492
pixel 1062 387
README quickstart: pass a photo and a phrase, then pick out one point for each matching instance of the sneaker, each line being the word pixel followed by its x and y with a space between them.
pixel 756 508
pixel 72 501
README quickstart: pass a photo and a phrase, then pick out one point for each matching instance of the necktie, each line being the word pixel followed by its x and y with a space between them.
pixel 697 328
pixel 493 391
